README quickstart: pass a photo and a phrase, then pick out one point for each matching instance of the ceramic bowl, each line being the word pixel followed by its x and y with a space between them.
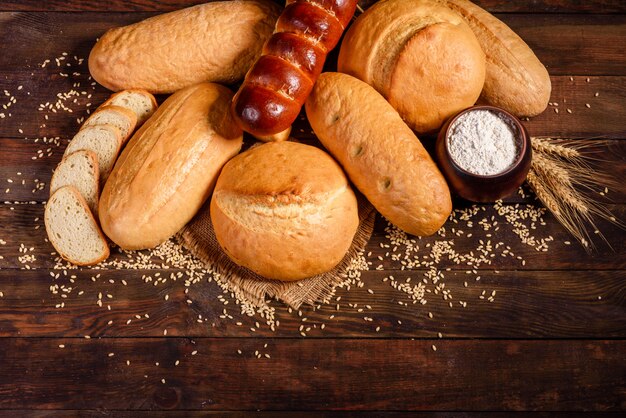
pixel 479 188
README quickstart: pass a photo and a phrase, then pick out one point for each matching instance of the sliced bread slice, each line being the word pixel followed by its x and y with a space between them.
pixel 79 169
pixel 72 229
pixel 123 119
pixel 139 101
pixel 104 140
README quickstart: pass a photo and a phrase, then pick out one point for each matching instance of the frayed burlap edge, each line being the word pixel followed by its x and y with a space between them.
pixel 199 238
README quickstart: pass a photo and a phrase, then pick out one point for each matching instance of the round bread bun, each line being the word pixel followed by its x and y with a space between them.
pixel 420 55
pixel 284 210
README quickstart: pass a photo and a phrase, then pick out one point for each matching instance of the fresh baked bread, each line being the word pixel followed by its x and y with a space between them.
pixel 284 210
pixel 72 229
pixel 79 169
pixel 104 140
pixel 217 41
pixel 380 153
pixel 516 80
pixel 169 167
pixel 420 55
pixel 139 101
pixel 123 119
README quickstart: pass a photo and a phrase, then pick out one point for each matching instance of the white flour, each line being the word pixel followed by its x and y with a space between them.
pixel 483 143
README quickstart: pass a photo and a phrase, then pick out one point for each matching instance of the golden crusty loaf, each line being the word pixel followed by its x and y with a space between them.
pixel 169 167
pixel 215 42
pixel 516 80
pixel 420 55
pixel 380 153
pixel 284 210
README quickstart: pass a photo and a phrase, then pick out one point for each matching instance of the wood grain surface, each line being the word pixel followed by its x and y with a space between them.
pixel 381 374
pixel 547 6
pixel 551 339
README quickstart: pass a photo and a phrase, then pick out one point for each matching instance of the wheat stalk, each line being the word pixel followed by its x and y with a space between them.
pixel 550 147
pixel 557 173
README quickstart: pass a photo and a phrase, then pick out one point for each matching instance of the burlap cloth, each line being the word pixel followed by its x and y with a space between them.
pixel 199 238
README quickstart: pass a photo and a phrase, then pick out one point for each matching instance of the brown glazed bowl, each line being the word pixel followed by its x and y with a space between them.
pixel 478 188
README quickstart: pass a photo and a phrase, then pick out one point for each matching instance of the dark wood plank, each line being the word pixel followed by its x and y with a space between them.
pixel 548 375
pixel 46 36
pixel 564 42
pixel 292 414
pixel 533 304
pixel 546 6
pixel 604 119
pixel 22 224
pixel 27 163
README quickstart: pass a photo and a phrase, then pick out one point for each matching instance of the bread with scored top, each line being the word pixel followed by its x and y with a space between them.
pixel 284 210
pixel 420 55
pixel 169 167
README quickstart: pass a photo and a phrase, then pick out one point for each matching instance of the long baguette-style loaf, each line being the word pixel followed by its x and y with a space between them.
pixel 380 153
pixel 169 167
pixel 216 41
pixel 515 80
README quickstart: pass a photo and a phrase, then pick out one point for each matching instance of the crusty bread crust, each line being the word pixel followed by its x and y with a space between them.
pixel 53 239
pixel 380 153
pixel 93 158
pixel 128 116
pixel 81 142
pixel 216 41
pixel 420 55
pixel 169 167
pixel 516 80
pixel 140 118
pixel 284 210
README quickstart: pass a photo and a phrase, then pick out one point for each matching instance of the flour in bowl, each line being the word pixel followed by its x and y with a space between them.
pixel 483 142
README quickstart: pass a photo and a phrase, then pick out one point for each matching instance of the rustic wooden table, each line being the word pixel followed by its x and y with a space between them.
pixel 551 339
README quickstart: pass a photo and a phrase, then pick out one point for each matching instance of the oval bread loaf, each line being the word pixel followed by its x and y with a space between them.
pixel 169 167
pixel 380 153
pixel 516 80
pixel 284 210
pixel 216 41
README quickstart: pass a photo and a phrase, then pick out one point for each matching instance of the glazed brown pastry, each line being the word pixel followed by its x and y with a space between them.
pixel 279 82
